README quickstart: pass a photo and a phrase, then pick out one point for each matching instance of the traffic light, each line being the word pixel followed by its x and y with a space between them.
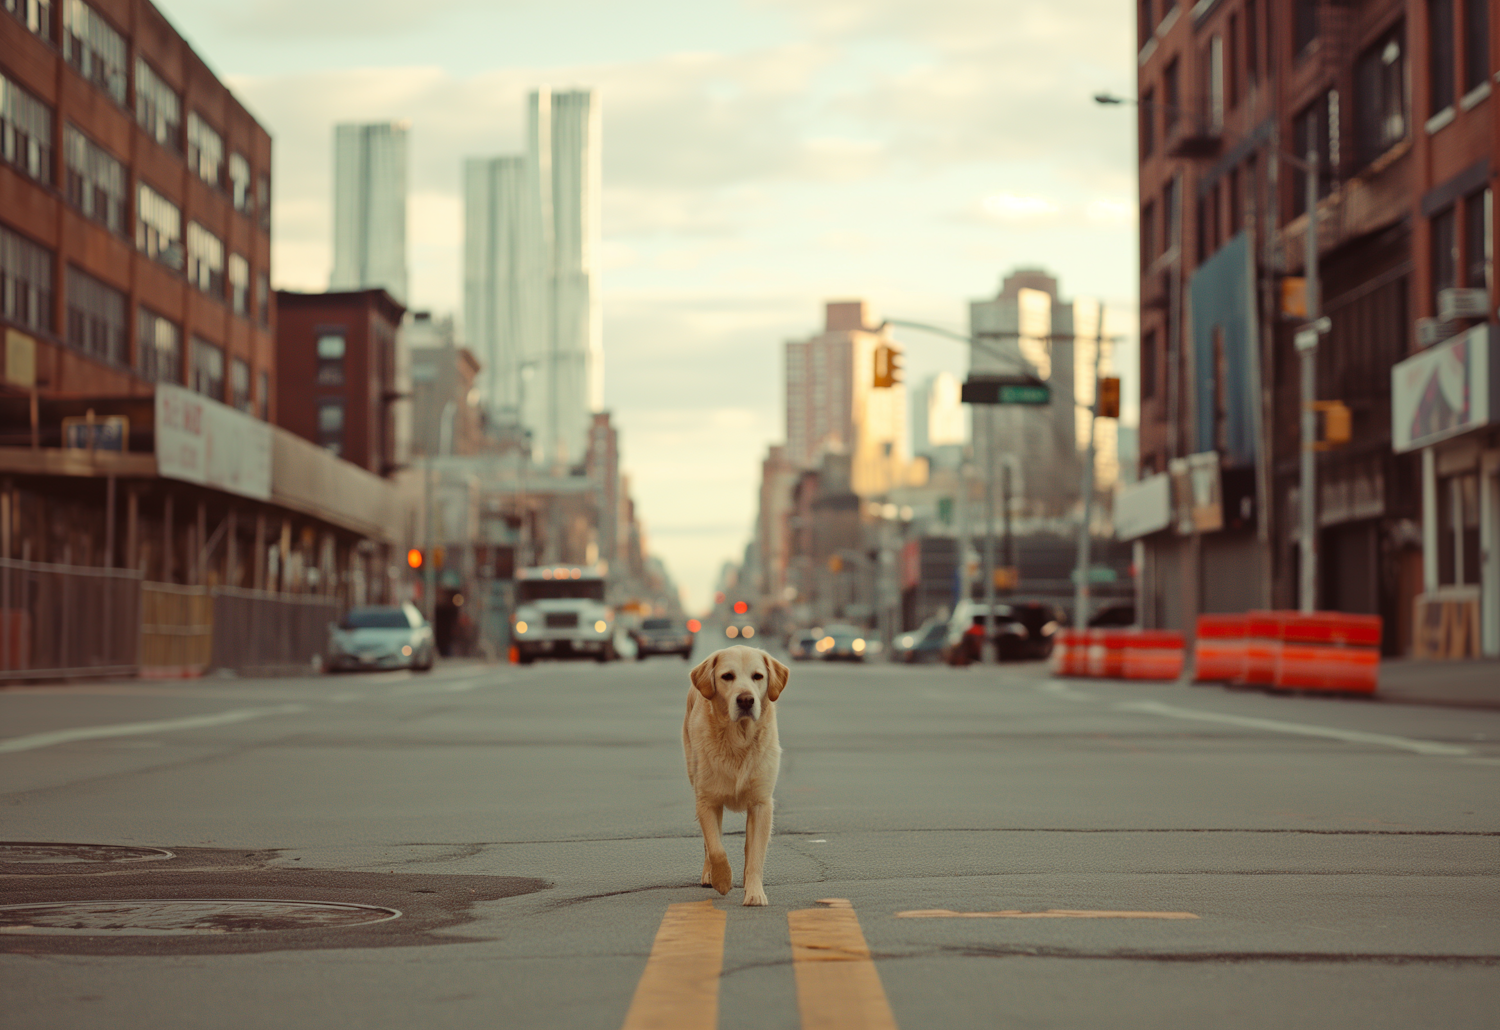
pixel 1109 397
pixel 1335 424
pixel 741 607
pixel 887 366
pixel 438 554
pixel 414 558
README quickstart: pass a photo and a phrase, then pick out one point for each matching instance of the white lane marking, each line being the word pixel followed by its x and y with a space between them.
pixel 1064 691
pixel 135 729
pixel 1421 747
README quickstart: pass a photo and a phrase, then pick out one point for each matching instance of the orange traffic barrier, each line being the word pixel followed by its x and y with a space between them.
pixel 1152 654
pixel 1262 646
pixel 1107 653
pixel 1332 651
pixel 1220 650
pixel 1070 653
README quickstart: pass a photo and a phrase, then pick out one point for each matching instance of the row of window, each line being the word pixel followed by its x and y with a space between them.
pixel 97 325
pixel 96 186
pixel 98 52
pixel 1467 261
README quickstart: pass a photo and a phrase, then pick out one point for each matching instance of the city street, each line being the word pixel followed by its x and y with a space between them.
pixel 953 848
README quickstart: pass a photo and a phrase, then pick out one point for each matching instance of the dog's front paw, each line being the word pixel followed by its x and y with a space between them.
pixel 755 896
pixel 721 878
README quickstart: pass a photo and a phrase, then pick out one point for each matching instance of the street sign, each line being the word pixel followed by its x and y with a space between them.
pixel 1005 390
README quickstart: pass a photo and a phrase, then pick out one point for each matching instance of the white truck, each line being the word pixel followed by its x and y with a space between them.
pixel 561 613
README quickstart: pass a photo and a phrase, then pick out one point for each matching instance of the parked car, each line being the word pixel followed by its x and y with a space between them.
pixel 1021 630
pixel 1113 616
pixel 392 636
pixel 803 644
pixel 923 644
pixel 662 636
pixel 841 643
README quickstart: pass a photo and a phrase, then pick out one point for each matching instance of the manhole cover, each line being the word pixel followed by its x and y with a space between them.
pixel 178 918
pixel 67 854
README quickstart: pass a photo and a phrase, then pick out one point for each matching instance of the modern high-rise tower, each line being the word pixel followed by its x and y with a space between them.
pixel 531 291
pixel 369 208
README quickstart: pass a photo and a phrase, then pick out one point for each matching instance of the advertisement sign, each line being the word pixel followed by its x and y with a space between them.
pixel 202 441
pixel 1444 391
pixel 1197 492
pixel 1144 507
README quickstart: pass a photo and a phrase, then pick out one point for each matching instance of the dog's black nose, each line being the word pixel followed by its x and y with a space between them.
pixel 746 702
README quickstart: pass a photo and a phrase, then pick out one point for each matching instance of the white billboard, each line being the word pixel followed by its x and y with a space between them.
pixel 1445 390
pixel 1144 507
pixel 202 441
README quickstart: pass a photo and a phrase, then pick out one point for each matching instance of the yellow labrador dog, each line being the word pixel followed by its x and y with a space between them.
pixel 733 756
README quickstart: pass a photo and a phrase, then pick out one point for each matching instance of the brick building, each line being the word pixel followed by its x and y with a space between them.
pixel 1393 97
pixel 337 374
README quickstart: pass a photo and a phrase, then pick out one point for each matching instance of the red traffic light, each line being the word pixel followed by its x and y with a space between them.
pixel 741 607
pixel 694 625
pixel 414 558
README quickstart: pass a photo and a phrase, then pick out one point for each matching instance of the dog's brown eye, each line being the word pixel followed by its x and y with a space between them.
pixel 757 676
pixel 729 676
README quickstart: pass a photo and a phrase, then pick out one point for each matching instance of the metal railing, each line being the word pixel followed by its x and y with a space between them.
pixel 259 632
pixel 68 620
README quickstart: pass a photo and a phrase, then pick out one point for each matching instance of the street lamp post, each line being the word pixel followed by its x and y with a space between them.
pixel 1081 588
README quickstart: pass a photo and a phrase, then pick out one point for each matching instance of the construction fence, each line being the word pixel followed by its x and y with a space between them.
pixel 61 621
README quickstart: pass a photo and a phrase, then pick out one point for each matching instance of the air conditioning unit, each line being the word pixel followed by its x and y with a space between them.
pixel 1431 331
pixel 1462 302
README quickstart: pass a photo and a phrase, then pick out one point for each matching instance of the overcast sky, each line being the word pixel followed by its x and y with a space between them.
pixel 760 158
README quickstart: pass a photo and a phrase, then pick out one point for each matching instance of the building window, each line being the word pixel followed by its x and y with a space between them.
pixel 1478 239
pixel 1316 128
pixel 158 347
pixel 331 349
pixel 331 425
pixel 96 317
pixel 1171 98
pixel 1440 58
pixel 158 107
pixel 205 150
pixel 91 45
pixel 36 15
pixel 1476 37
pixel 158 227
pixel 25 131
pixel 239 184
pixel 1380 97
pixel 1232 66
pixel 263 298
pixel 263 396
pixel 1147 115
pixel 1214 87
pixel 95 180
pixel 205 260
pixel 25 282
pixel 1171 214
pixel 1149 247
pixel 1304 24
pixel 1458 530
pixel 208 369
pixel 1148 365
pixel 239 384
pixel 239 285
pixel 1252 43
pixel 263 201
pixel 1444 229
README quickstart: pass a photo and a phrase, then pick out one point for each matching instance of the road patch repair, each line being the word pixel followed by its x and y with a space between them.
pixel 93 899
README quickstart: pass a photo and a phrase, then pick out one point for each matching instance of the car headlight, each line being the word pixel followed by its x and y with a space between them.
pixel 1049 628
pixel 908 640
pixel 521 626
pixel 859 644
pixel 600 626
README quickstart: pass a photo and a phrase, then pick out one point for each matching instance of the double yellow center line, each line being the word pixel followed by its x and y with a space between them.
pixel 837 985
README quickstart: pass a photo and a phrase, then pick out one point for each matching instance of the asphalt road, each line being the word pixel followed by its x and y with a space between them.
pixel 953 848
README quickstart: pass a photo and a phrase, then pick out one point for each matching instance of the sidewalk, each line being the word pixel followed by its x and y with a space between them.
pixel 1473 683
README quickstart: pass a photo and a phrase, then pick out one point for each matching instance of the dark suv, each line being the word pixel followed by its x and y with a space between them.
pixel 663 636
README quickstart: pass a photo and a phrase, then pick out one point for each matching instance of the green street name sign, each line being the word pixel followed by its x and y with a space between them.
pixel 1005 390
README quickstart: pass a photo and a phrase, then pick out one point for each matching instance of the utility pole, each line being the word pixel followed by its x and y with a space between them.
pixel 1085 536
pixel 1307 346
pixel 989 653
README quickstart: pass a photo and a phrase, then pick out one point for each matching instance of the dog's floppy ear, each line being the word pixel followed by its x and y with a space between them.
pixel 702 675
pixel 779 673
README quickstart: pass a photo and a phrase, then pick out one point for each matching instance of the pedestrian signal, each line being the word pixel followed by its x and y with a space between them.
pixel 1109 397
